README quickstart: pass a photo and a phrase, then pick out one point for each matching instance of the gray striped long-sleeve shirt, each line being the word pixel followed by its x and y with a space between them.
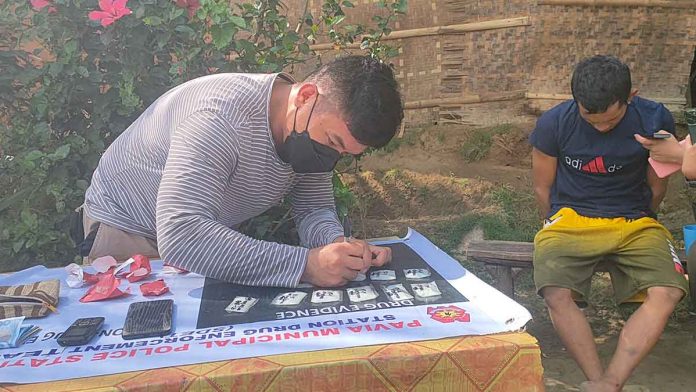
pixel 197 163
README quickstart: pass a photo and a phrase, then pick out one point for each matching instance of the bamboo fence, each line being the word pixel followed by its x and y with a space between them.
pixel 489 61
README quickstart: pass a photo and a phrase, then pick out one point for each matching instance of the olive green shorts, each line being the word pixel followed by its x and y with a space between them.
pixel 638 254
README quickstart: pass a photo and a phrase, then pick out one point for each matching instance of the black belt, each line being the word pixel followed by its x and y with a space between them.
pixel 83 244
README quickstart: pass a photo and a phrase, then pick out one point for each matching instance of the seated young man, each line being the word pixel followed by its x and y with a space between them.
pixel 599 197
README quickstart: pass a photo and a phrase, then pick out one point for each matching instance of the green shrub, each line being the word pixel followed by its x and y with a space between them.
pixel 480 141
pixel 75 73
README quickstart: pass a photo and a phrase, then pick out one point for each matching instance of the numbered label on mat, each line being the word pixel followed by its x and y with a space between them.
pixel 416 273
pixel 397 292
pixel 425 290
pixel 289 299
pixel 383 275
pixel 241 304
pixel 362 293
pixel 324 296
pixel 360 277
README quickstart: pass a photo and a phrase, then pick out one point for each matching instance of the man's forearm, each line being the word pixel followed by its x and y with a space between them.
pixel 658 188
pixel 543 199
pixel 657 196
pixel 209 248
pixel 318 228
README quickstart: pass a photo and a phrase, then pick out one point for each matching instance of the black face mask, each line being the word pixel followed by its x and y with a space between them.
pixel 306 155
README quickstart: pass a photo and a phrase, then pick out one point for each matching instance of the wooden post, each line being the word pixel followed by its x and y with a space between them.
pixel 503 278
pixel 467 99
pixel 564 97
pixel 439 30
pixel 403 128
pixel 622 3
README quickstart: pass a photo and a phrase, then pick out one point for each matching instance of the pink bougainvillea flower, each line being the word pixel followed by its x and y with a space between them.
pixel 111 11
pixel 41 4
pixel 190 5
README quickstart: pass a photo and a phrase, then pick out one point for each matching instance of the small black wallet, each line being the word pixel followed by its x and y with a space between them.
pixel 148 318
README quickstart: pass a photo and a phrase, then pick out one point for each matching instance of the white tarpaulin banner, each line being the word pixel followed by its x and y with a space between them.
pixel 429 295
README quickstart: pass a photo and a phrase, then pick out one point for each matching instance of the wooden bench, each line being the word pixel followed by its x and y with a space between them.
pixel 501 257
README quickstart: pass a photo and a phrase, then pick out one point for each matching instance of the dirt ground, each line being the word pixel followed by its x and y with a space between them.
pixel 430 178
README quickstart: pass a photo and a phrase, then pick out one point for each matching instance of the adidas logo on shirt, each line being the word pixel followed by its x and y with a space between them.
pixel 595 165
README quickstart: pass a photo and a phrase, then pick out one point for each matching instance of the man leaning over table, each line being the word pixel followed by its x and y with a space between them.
pixel 599 196
pixel 221 149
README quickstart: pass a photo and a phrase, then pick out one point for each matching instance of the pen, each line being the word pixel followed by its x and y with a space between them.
pixel 346 229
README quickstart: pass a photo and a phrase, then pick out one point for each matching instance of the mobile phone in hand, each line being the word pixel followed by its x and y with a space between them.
pixel 690 117
pixel 657 136
pixel 81 331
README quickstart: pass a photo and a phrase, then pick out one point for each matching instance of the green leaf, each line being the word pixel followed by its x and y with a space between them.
pixel 34 155
pixel 16 199
pixel 239 21
pixel 176 12
pixel 40 104
pixel 82 71
pixel 106 37
pixel 70 48
pixel 185 29
pixel 55 69
pixel 193 53
pixel 17 246
pixel 95 77
pixel 62 151
pixel 163 39
pixel 401 6
pixel 338 19
pixel 246 46
pixel 140 12
pixel 28 165
pixel 347 4
pixel 152 20
pixel 28 218
pixel 222 34
pixel 175 68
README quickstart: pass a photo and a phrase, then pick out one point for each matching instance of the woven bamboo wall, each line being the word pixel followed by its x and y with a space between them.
pixel 503 60
pixel 656 42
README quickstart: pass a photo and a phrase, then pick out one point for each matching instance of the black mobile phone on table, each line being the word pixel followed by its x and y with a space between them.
pixel 81 331
pixel 149 318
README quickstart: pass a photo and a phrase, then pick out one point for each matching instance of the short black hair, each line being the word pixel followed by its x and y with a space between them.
pixel 367 94
pixel 600 81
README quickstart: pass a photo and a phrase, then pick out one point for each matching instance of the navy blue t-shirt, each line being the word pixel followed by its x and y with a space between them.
pixel 601 174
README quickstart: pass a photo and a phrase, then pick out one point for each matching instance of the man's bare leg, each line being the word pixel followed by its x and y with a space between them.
pixel 638 337
pixel 574 330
